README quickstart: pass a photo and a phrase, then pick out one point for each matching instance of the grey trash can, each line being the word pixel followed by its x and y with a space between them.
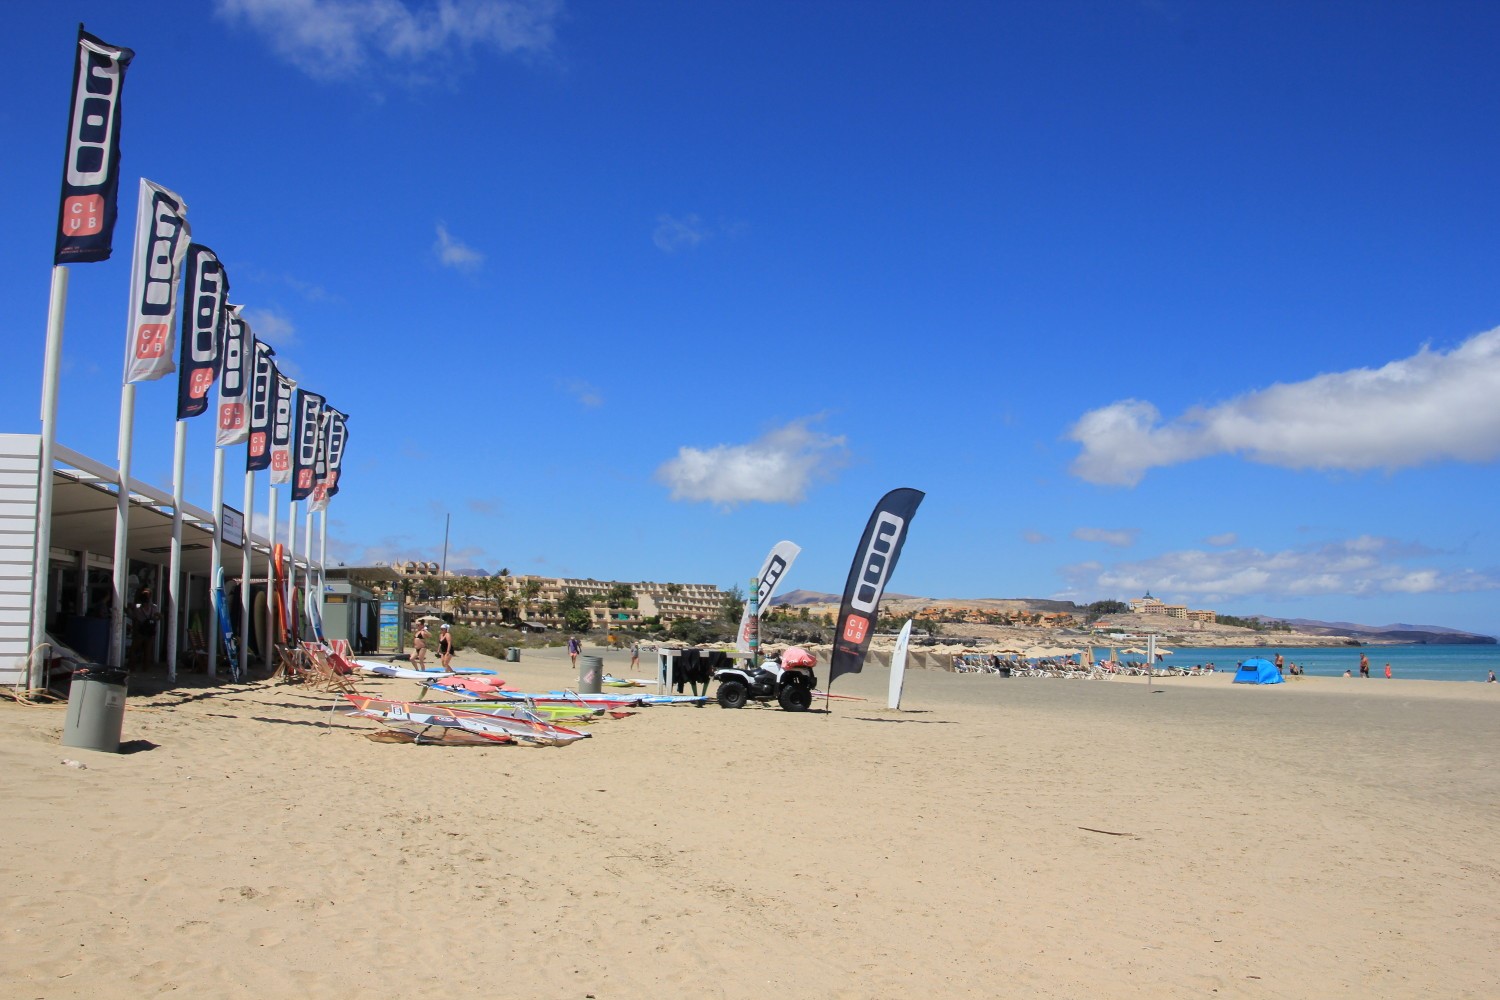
pixel 512 654
pixel 590 674
pixel 96 709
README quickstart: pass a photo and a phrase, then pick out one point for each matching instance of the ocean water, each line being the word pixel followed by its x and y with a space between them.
pixel 1429 663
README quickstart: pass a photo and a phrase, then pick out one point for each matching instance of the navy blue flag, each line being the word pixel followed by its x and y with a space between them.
pixel 264 382
pixel 874 562
pixel 205 292
pixel 307 440
pixel 91 168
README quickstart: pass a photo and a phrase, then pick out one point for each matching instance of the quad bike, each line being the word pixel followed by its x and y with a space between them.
pixel 789 681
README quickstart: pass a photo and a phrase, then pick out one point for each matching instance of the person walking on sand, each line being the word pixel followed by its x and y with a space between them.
pixel 1279 663
pixel 635 654
pixel 1364 665
pixel 419 646
pixel 445 647
pixel 144 614
pixel 574 648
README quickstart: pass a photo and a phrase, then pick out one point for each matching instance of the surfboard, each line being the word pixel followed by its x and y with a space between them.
pixel 314 615
pixel 278 560
pixel 226 627
pixel 258 615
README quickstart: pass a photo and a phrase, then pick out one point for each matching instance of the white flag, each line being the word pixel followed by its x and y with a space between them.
pixel 161 239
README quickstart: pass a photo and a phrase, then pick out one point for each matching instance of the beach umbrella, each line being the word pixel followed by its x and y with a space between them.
pixel 429 618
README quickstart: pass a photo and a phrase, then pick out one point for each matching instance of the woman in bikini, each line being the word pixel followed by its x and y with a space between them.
pixel 419 641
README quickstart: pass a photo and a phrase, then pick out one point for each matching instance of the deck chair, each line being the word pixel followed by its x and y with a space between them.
pixel 292 665
pixel 194 657
pixel 325 675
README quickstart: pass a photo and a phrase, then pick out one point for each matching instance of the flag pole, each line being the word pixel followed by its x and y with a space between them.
pixel 57 309
pixel 216 562
pixel 291 566
pixel 271 596
pixel 174 569
pixel 322 560
pixel 122 527
pixel 245 553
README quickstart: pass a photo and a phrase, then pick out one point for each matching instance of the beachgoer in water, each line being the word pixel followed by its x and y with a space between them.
pixel 1364 665
pixel 1387 671
pixel 1348 673
pixel 445 647
pixel 1279 663
pixel 1492 677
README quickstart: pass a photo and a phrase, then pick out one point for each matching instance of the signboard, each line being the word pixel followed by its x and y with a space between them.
pixel 390 626
pixel 232 527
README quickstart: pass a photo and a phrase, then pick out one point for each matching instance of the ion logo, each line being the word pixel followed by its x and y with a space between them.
pixel 161 256
pixel 768 582
pixel 94 117
pixel 876 565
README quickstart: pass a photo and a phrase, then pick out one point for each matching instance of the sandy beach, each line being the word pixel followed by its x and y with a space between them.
pixel 996 837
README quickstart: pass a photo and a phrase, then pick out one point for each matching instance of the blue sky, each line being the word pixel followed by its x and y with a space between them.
pixel 1194 297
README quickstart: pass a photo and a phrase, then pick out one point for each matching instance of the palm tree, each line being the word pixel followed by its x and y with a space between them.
pixel 529 589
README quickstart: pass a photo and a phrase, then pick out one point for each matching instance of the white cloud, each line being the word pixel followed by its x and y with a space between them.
pixel 1430 407
pixel 777 468
pixel 273 328
pixel 586 394
pixel 1222 539
pixel 1363 566
pixel 1121 538
pixel 454 253
pixel 673 234
pixel 1034 537
pixel 337 38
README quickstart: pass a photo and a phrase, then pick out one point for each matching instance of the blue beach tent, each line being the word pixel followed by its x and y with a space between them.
pixel 1257 670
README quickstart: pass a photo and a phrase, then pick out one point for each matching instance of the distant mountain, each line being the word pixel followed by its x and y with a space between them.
pixel 1431 635
pixel 796 597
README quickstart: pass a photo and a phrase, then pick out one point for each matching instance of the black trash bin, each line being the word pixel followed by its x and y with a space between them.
pixel 96 709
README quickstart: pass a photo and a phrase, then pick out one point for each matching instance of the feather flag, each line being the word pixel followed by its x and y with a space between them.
pixel 235 350
pixel 161 239
pixel 205 293
pixel 874 562
pixel 281 430
pixel 778 561
pixel 91 170
pixel 263 383
pixel 307 426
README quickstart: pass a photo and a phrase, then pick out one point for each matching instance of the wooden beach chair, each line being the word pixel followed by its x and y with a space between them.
pixel 291 666
pixel 194 658
pixel 325 676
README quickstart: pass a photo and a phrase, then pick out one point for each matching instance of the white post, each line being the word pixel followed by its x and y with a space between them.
pixel 1150 656
pixel 174 562
pixel 216 562
pixel 312 580
pixel 322 561
pixel 122 527
pixel 57 308
pixel 246 550
pixel 291 563
pixel 271 595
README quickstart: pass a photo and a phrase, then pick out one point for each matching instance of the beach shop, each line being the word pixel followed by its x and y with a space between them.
pixel 77 573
